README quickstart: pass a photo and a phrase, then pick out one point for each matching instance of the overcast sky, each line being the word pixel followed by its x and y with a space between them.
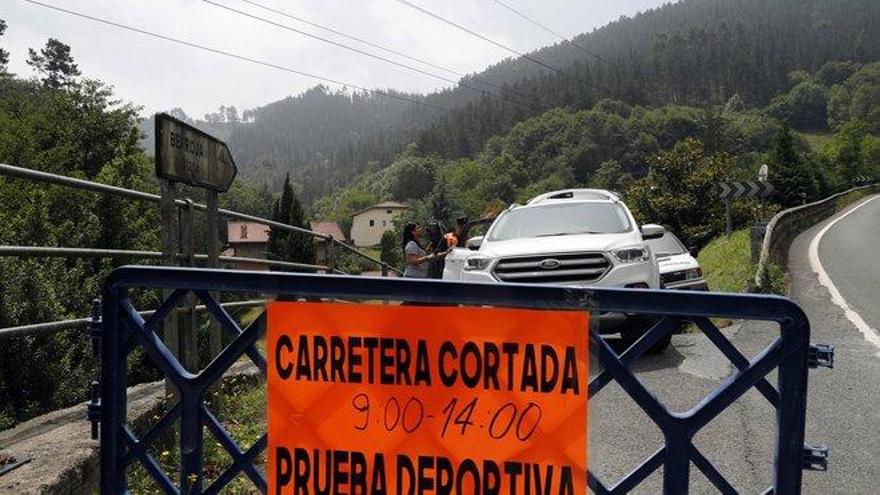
pixel 160 75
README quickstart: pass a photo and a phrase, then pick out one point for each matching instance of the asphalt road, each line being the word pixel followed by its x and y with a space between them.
pixel 843 408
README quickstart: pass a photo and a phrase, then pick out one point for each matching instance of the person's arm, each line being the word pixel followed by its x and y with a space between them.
pixel 413 258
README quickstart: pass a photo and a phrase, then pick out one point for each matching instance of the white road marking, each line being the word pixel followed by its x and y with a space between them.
pixel 869 333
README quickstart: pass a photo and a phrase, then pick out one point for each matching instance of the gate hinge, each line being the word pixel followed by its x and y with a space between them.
pixel 815 457
pixel 95 327
pixel 821 355
pixel 93 410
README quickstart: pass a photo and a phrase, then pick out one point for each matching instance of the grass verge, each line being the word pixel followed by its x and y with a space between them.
pixel 243 415
pixel 816 140
pixel 727 263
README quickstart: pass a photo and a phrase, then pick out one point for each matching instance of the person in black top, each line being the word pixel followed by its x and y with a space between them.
pixel 437 245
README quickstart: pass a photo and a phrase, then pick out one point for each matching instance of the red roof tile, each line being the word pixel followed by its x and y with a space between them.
pixel 329 228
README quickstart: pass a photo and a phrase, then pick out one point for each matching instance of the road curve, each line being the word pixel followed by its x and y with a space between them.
pixel 843 408
pixel 843 255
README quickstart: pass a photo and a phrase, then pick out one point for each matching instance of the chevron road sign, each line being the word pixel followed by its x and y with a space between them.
pixel 861 179
pixel 743 189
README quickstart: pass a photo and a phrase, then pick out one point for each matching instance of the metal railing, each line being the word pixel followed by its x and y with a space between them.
pixel 788 224
pixel 181 204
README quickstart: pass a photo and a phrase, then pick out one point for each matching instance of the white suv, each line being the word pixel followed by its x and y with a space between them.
pixel 575 237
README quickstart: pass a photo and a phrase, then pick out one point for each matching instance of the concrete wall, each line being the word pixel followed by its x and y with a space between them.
pixel 788 224
pixel 64 458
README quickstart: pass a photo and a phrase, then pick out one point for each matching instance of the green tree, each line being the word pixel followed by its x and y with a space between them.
pixel 440 206
pixel 390 249
pixel 792 182
pixel 55 63
pixel 845 150
pixel 277 245
pixel 412 179
pixel 871 157
pixel 835 72
pixel 611 176
pixel 804 107
pixel 286 245
pixel 857 99
pixel 4 55
pixel 302 245
pixel 79 131
pixel 679 192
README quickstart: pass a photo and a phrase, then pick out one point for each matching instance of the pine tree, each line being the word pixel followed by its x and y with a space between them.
pixel 285 245
pixel 792 181
pixel 301 246
pixel 440 207
pixel 390 250
pixel 55 63
pixel 277 245
pixel 4 55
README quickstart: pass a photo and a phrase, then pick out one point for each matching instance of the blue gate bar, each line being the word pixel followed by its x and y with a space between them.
pixel 124 329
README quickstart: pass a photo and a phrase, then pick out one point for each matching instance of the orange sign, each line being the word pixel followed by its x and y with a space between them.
pixel 405 400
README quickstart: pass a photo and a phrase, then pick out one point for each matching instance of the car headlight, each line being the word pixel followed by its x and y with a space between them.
pixel 475 263
pixel 632 255
pixel 693 274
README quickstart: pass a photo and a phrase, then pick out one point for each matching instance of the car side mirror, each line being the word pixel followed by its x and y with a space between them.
pixel 652 231
pixel 474 243
pixel 693 251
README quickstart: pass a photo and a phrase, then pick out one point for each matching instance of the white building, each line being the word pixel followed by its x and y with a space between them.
pixel 368 225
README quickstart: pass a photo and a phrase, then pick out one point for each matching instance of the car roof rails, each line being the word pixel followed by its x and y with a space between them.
pixel 583 194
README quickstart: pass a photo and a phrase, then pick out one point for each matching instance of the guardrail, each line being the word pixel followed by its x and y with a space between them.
pixel 185 206
pixel 788 224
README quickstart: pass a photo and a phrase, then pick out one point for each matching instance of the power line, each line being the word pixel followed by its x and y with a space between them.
pixel 239 57
pixel 493 42
pixel 554 33
pixel 381 47
pixel 353 38
pixel 355 50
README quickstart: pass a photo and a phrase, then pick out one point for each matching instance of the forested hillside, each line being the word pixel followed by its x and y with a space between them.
pixel 64 123
pixel 664 159
pixel 692 52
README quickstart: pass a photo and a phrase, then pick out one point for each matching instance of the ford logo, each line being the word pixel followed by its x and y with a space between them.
pixel 549 264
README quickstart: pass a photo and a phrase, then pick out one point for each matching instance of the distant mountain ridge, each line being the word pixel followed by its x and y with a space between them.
pixel 692 52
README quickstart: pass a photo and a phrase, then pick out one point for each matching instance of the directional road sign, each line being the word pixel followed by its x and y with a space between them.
pixel 743 189
pixel 188 155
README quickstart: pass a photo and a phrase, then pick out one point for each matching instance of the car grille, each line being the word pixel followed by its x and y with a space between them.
pixel 672 277
pixel 552 268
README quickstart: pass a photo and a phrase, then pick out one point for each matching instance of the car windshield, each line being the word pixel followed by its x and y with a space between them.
pixel 668 245
pixel 561 219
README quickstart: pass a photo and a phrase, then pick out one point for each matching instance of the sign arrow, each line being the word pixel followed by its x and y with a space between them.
pixel 755 188
pixel 188 155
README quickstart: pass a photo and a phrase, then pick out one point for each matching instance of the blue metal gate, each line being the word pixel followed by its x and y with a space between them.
pixel 122 329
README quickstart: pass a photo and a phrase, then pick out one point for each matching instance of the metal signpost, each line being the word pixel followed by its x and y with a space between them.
pixel 729 191
pixel 190 156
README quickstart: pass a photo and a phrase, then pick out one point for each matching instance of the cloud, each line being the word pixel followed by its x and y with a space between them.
pixel 160 75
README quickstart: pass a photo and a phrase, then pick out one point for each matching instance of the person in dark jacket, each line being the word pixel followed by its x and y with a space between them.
pixel 436 245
